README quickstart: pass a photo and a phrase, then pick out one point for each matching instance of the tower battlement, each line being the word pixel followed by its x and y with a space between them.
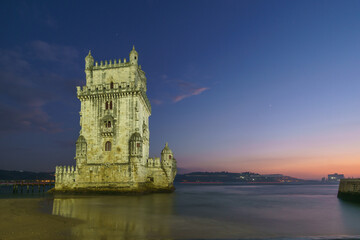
pixel 65 169
pixel 115 71
pixel 115 63
pixel 112 151
pixel 111 64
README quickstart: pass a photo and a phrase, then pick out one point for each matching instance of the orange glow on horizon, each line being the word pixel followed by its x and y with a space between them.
pixel 304 168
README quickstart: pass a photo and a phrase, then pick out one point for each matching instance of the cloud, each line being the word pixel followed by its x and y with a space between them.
pixel 29 86
pixel 22 103
pixel 53 52
pixel 31 118
pixel 156 101
pixel 189 90
pixel 13 60
pixel 65 143
pixel 176 90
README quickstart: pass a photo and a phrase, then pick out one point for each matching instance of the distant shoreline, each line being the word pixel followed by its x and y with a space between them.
pixel 19 177
pixel 259 183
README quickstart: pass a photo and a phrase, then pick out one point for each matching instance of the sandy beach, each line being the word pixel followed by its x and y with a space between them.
pixel 24 219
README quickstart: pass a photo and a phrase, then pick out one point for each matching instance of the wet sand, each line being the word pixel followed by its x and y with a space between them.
pixel 25 219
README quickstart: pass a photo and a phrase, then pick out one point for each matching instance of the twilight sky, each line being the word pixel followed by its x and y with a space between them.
pixel 263 86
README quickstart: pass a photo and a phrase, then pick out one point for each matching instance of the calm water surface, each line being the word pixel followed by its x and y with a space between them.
pixel 215 212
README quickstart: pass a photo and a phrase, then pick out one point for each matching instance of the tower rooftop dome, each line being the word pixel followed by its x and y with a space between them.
pixel 166 149
pixel 89 55
pixel 133 50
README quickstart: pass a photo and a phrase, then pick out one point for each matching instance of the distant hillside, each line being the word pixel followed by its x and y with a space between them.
pixel 216 177
pixel 24 175
pixel 234 177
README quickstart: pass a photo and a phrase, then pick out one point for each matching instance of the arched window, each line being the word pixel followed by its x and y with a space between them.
pixel 109 124
pixel 169 156
pixel 111 85
pixel 110 104
pixel 108 146
pixel 107 105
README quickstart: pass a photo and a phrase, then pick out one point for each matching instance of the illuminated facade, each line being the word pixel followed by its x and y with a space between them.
pixel 112 151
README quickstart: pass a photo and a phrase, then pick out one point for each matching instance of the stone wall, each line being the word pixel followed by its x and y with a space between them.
pixel 65 176
pixel 128 115
pixel 349 189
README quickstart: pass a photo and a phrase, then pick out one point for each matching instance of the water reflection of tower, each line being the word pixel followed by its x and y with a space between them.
pixel 120 217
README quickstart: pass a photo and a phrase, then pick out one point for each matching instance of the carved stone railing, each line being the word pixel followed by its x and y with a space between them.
pixel 107 132
pixel 104 90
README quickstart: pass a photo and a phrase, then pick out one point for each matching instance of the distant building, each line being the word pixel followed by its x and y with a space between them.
pixel 335 177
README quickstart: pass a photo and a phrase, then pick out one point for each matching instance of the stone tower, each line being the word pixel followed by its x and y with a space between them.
pixel 112 151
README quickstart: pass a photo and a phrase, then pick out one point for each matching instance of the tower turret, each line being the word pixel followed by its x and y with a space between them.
pixel 81 151
pixel 168 163
pixel 166 155
pixel 89 64
pixel 135 145
pixel 134 56
pixel 89 61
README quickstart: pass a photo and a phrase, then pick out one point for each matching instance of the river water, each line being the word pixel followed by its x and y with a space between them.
pixel 215 212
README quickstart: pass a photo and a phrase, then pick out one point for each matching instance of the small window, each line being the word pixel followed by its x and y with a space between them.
pixel 135 57
pixel 169 156
pixel 109 124
pixel 108 146
pixel 110 104
pixel 107 105
pixel 138 144
pixel 111 85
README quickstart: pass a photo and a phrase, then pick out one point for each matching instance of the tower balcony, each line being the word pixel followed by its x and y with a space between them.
pixel 119 90
pixel 105 89
pixel 107 132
